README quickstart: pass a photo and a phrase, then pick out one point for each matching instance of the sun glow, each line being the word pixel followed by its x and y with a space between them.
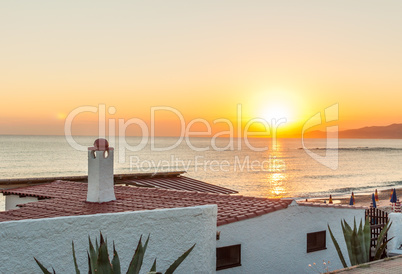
pixel 276 111
pixel 278 103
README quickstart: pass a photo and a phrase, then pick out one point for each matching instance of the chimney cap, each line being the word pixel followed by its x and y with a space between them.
pixel 100 144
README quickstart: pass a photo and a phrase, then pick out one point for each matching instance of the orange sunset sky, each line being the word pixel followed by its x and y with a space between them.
pixel 276 58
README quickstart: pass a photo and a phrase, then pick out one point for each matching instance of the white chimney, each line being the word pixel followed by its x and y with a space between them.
pixel 100 172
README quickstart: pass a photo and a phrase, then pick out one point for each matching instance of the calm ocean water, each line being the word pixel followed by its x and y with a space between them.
pixel 284 170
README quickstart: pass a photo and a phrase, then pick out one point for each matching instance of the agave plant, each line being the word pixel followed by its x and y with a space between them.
pixel 99 262
pixel 358 242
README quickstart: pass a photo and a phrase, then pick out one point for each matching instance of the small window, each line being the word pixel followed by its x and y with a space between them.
pixel 228 256
pixel 316 241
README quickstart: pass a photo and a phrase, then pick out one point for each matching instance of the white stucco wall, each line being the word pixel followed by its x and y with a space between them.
pixel 277 242
pixel 395 231
pixel 13 200
pixel 173 231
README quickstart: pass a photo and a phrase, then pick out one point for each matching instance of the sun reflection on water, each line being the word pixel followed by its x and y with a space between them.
pixel 277 187
pixel 276 176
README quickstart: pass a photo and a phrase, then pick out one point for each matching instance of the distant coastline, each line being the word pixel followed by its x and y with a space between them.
pixel 393 131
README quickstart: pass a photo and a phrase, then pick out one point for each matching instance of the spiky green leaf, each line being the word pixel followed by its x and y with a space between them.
pixel 116 261
pixel 44 270
pixel 93 255
pixel 146 243
pixel 89 264
pixel 381 249
pixel 77 271
pixel 136 261
pixel 357 246
pixel 347 226
pixel 103 262
pixel 382 236
pixel 367 238
pixel 102 240
pixel 364 256
pixel 338 249
pixel 153 268
pixel 179 260
pixel 347 234
pixel 96 246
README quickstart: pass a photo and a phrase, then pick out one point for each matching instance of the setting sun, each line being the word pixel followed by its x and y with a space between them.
pixel 276 112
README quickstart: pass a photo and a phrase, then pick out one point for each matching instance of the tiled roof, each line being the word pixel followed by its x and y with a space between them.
pixel 167 180
pixel 179 183
pixel 66 198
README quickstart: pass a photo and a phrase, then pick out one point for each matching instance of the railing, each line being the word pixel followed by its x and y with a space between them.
pixel 377 218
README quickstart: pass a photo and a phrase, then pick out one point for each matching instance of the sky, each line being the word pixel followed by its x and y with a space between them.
pixel 204 59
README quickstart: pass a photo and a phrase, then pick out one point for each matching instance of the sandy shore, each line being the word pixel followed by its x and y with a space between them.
pixel 363 199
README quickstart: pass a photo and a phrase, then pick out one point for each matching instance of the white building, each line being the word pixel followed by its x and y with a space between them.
pixel 256 235
pixel 233 234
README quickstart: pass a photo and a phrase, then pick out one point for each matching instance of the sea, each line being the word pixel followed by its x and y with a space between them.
pixel 255 167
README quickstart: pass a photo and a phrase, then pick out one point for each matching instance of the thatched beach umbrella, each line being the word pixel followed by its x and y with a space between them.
pixel 330 199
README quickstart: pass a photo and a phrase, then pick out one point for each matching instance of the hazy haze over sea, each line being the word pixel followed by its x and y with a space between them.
pixel 282 171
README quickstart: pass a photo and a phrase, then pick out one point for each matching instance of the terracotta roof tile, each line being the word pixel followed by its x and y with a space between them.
pixel 66 198
pixel 165 180
pixel 179 183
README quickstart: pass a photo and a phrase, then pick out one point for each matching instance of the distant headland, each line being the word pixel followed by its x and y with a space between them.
pixel 393 131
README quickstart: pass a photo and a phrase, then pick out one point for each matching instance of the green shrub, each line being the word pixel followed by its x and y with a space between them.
pixel 99 262
pixel 358 242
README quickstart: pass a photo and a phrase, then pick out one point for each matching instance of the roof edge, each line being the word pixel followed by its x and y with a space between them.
pixel 14 181
pixel 311 204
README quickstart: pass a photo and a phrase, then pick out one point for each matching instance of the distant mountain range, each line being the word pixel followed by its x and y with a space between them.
pixel 393 131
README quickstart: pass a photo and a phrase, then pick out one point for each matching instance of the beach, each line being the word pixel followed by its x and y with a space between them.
pixel 363 199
